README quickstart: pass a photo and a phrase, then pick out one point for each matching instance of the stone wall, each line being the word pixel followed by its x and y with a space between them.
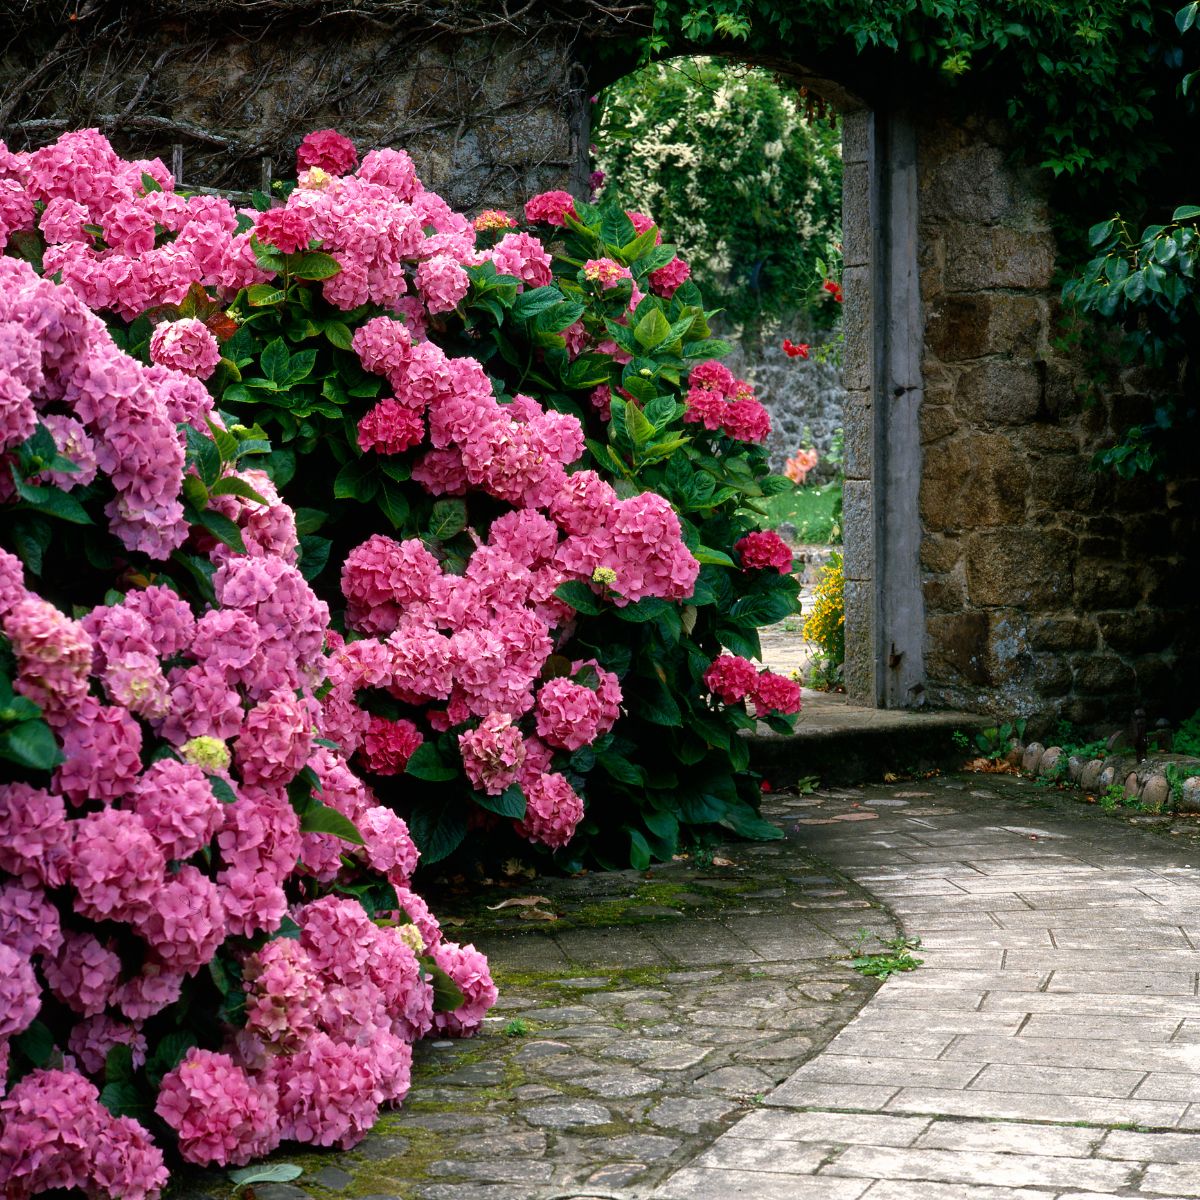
pixel 1051 590
pixel 490 118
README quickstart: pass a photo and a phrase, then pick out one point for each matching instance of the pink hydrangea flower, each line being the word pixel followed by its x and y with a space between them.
pixel 49 1126
pixel 550 207
pixel 287 229
pixel 327 1093
pixel 568 714
pixel 442 283
pixel 764 549
pixel 186 923
pixel 93 1037
pixel 492 753
pixel 328 150
pixel 126 1165
pixel 388 745
pixel 731 678
pixel 83 974
pixel 390 427
pixel 102 748
pixel 219 1113
pixel 20 996
pixel 187 345
pixel 667 280
pixel 469 970
pixel 553 809
pixel 154 988
pixel 388 846
pixel 29 923
pixel 117 867
pixel 34 836
pixel 746 420
pixel 283 992
pixel 606 272
pixel 775 693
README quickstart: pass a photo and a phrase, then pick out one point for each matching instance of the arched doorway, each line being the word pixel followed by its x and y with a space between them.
pixel 882 356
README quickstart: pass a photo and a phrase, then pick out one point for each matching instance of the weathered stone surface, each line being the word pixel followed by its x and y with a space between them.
pixel 1031 759
pixel 973 481
pixel 999 393
pixel 981 258
pixel 1019 567
pixel 1156 792
pixel 963 326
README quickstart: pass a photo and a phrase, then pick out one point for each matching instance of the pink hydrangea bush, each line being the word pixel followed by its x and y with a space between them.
pixel 175 814
pixel 556 471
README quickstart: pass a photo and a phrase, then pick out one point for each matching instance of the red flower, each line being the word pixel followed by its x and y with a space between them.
pixel 794 349
pixel 834 289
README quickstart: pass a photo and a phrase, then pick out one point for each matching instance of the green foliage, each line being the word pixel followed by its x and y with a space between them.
pixel 993 742
pixel 1146 284
pixel 813 511
pixel 895 958
pixel 723 157
pixel 1187 736
pixel 1086 86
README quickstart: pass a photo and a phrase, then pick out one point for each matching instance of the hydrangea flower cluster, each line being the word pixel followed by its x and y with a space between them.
pixel 166 836
pixel 718 401
pixel 764 549
pixel 733 679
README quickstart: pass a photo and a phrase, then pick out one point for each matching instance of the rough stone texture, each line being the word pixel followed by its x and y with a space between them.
pixel 1043 580
pixel 489 118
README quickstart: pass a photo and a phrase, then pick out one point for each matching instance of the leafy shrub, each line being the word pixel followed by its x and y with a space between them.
pixel 825 624
pixel 200 903
pixel 726 159
pixel 511 610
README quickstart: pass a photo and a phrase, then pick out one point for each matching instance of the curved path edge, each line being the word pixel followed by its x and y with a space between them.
pixel 1049 1047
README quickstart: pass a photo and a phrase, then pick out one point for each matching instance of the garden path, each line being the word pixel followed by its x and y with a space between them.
pixel 1048 1048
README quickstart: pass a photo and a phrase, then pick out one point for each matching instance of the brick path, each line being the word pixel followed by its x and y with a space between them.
pixel 1048 1048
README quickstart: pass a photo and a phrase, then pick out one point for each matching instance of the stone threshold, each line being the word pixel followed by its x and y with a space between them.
pixel 844 744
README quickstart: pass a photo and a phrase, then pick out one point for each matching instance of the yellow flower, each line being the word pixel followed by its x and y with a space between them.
pixel 604 575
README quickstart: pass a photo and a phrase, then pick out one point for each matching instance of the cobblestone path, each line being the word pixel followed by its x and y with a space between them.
pixel 1048 1048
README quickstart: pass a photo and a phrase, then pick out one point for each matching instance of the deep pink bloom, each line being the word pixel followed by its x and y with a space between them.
pixel 550 207
pixel 732 678
pixel 764 549
pixel 329 150
pixel 775 693
pixel 287 229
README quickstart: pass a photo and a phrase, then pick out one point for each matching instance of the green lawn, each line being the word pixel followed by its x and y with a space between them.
pixel 810 510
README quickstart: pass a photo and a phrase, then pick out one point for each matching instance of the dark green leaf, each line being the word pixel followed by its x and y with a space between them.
pixel 745 822
pixel 231 485
pixel 320 818
pixel 31 744
pixel 427 763
pixel 580 597
pixel 446 994
pixel 357 480
pixel 222 528
pixel 312 265
pixel 510 802
pixel 438 828
pixel 447 518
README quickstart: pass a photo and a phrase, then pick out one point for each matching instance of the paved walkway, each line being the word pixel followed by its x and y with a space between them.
pixel 1048 1048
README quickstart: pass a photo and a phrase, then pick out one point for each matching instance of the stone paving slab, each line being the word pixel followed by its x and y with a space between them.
pixel 1050 1045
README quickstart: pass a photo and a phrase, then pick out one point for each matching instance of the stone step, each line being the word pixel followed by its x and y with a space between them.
pixel 844 744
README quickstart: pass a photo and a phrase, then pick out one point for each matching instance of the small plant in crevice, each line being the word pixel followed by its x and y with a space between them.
pixel 517 1027
pixel 895 957
pixel 994 742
